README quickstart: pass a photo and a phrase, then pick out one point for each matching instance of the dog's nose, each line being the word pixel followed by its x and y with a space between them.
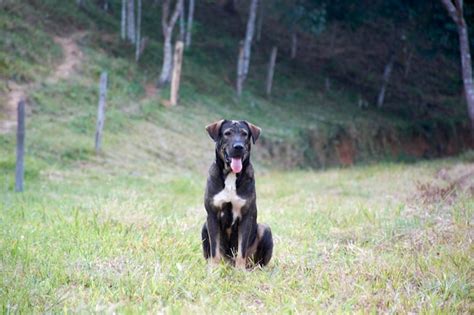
pixel 238 146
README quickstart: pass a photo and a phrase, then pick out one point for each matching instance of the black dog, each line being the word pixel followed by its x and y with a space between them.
pixel 231 230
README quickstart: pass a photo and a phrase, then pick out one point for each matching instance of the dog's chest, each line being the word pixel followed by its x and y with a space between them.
pixel 229 195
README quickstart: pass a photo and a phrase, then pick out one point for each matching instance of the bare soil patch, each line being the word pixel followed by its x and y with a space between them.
pixel 17 92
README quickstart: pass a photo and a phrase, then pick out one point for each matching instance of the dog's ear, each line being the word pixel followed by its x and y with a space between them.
pixel 254 131
pixel 214 129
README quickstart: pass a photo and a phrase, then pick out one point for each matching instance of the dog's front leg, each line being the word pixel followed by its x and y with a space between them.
pixel 214 238
pixel 245 229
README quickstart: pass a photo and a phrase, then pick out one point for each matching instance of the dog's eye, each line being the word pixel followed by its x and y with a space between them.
pixel 244 133
pixel 227 133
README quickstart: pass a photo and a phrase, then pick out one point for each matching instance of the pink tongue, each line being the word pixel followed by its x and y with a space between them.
pixel 236 165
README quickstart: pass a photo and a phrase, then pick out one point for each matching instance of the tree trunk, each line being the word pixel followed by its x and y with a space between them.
pixel 271 70
pixel 455 10
pixel 240 70
pixel 190 23
pixel 385 80
pixel 467 70
pixel 131 21
pixel 123 20
pixel 178 61
pixel 182 24
pixel 260 21
pixel 408 63
pixel 294 44
pixel 249 36
pixel 138 42
pixel 168 27
pixel 167 62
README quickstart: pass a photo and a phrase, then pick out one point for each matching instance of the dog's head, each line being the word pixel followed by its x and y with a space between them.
pixel 233 141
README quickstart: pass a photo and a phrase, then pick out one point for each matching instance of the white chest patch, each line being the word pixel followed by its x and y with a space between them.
pixel 229 194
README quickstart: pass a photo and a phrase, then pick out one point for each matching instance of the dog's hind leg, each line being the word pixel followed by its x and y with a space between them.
pixel 206 246
pixel 264 251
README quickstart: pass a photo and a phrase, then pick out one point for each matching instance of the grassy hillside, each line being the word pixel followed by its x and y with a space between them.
pixel 119 230
pixel 300 108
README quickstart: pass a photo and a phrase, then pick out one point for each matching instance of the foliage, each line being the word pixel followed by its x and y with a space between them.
pixel 26 52
pixel 303 15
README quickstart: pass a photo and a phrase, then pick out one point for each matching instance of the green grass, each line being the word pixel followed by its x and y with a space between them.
pixel 26 52
pixel 103 236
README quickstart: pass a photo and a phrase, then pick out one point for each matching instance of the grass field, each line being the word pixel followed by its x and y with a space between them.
pixel 119 231
pixel 105 235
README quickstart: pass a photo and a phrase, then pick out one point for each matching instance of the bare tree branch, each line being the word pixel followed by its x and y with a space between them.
pixel 459 6
pixel 452 10
pixel 176 13
pixel 168 25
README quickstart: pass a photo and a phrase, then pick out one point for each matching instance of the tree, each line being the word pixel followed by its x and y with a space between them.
pixel 455 11
pixel 294 44
pixel 385 79
pixel 249 35
pixel 190 23
pixel 167 24
pixel 123 20
pixel 271 71
pixel 182 24
pixel 138 39
pixel 304 16
pixel 244 54
pixel 131 21
pixel 260 20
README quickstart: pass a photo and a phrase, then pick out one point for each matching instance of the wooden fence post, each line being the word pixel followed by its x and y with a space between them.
pixel 20 147
pixel 101 111
pixel 271 70
pixel 240 70
pixel 175 80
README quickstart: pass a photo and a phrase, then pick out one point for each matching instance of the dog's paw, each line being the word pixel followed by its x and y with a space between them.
pixel 240 263
pixel 213 266
pixel 214 262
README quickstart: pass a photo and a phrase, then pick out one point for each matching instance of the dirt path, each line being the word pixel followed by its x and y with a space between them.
pixel 72 59
pixel 72 56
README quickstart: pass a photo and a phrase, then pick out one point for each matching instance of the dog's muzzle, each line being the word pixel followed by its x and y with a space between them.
pixel 235 157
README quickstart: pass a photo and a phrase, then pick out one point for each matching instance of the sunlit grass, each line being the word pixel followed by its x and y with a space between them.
pixel 354 239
